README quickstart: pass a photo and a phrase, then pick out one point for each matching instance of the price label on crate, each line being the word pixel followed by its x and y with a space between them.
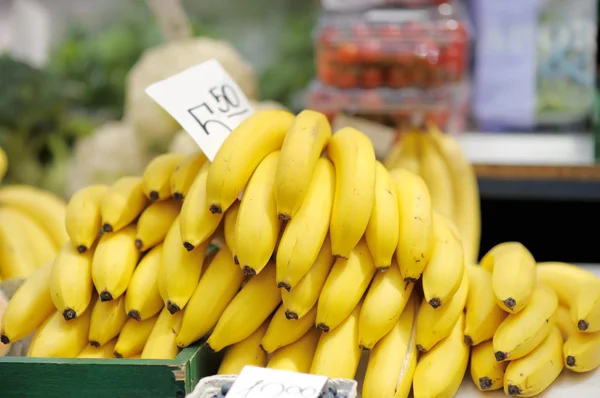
pixel 254 382
pixel 205 101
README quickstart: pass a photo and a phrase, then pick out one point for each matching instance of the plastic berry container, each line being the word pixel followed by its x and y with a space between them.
pixel 349 5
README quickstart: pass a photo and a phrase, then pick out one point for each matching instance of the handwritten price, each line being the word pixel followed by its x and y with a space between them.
pixel 265 389
pixel 226 103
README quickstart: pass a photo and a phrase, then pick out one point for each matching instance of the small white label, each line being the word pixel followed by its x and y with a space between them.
pixel 206 101
pixel 256 382
pixel 344 4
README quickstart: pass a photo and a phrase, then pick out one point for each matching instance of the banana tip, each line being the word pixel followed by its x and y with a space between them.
pixel 69 314
pixel 284 217
pixel 323 327
pixel 485 383
pixel 411 280
pixel 435 303
pixel 153 195
pixel 94 343
pixel 285 286
pixel 263 349
pixel 364 347
pixel 178 196
pixel 82 249
pixel 235 260
pixel 291 315
pixel 570 360
pixel 105 296
pixel 249 271
pixel 215 209
pixel 383 268
pixel 172 308
pixel 420 348
pixel 510 303
pixel 139 244
pixel 134 314
pixel 107 228
pixel 117 355
pixel 209 348
pixel 500 356
pixel 583 325
pixel 468 340
pixel 4 339
pixel 188 246
pixel 513 390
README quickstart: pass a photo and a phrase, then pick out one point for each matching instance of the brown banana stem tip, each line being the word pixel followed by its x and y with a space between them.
pixel 420 348
pixel 510 303
pixel 172 308
pixel 284 217
pixel 468 340
pixel 4 339
pixel 107 228
pixel 513 390
pixel 383 268
pixel 583 324
pixel 500 356
pixel 94 343
pixel 411 280
pixel 117 355
pixel 571 360
pixel 134 314
pixel 215 209
pixel 82 249
pixel 249 271
pixel 139 244
pixel 323 327
pixel 236 261
pixel 285 286
pixel 485 383
pixel 154 196
pixel 69 314
pixel 105 296
pixel 178 196
pixel 435 302
pixel 188 246
pixel 263 349
pixel 291 315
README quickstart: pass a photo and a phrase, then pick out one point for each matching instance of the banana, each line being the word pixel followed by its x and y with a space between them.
pixel 71 285
pixel 581 351
pixel 3 164
pixel 390 376
pixel 105 351
pixel 143 299
pixel 304 235
pixel 444 271
pixel 185 173
pixel 585 311
pixel 520 333
pixel 416 238
pixel 382 229
pixel 383 305
pixel 257 227
pixel 241 153
pixel 154 223
pixel 45 208
pixel 337 354
pixel 247 311
pixel 245 353
pixel 483 316
pixel 436 175
pixel 133 337
pixel 353 156
pixel 217 287
pixel 440 371
pixel 229 226
pixel 302 146
pixel 344 287
pixel 283 331
pixel 467 209
pixel 534 373
pixel 305 295
pixel 486 372
pixel 298 356
pixel 393 155
pixel 28 308
pixel 113 264
pixel 122 204
pixel 156 180
pixel 513 271
pixel 57 338
pixel 83 219
pixel 408 158
pixel 179 270
pixel 161 342
pixel 108 318
pixel 433 325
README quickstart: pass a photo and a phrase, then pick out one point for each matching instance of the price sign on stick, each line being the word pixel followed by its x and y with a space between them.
pixel 256 382
pixel 205 101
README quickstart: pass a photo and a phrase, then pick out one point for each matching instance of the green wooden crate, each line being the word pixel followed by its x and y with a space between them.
pixel 110 378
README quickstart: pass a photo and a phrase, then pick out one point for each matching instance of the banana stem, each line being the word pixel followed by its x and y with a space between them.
pixel 172 19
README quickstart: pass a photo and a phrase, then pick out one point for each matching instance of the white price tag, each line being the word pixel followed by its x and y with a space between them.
pixel 206 102
pixel 256 382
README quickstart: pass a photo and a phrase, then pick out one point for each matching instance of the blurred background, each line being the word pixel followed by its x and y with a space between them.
pixel 513 80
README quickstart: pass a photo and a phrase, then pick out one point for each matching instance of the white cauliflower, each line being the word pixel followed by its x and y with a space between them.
pixel 149 120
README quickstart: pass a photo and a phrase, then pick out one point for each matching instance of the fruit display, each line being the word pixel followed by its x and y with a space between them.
pixel 421 48
pixel 295 249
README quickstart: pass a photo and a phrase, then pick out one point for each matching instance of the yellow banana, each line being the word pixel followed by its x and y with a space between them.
pixel 443 273
pixel 161 342
pixel 156 180
pixel 114 261
pixel 440 371
pixel 344 287
pixel 179 270
pixel 283 331
pixel 581 351
pixel 520 333
pixel 154 223
pixel 217 287
pixel 133 337
pixel 44 207
pixel 105 351
pixel 585 311
pixel 299 301
pixel 416 238
pixel 390 376
pixel 229 226
pixel 382 229
pixel 483 316
pixel 122 204
pixel 3 164
pixel 241 153
pixel 304 235
pixel 302 146
pixel 513 271
pixel 383 305
pixel 408 158
pixel 257 226
pixel 108 318
pixel 467 209
pixel 143 299
pixel 185 173
pixel 393 156
pixel 353 156
pixel 247 311
pixel 534 373
pixel 338 354
pixel 28 308
pixel 83 218
pixel 298 356
pixel 245 353
pixel 486 372
pixel 71 285
pixel 433 325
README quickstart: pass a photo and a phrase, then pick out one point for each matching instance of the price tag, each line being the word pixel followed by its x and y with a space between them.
pixel 256 382
pixel 205 101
